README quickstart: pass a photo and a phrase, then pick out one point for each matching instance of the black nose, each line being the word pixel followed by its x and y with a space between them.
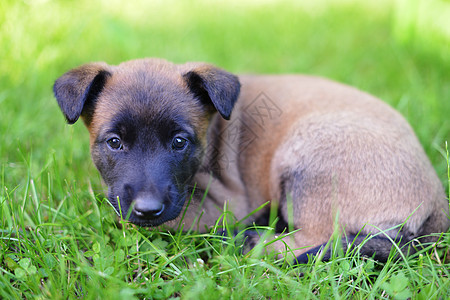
pixel 148 208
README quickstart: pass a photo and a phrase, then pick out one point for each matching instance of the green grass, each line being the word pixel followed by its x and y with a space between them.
pixel 58 236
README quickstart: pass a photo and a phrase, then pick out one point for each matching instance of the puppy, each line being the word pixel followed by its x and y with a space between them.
pixel 327 156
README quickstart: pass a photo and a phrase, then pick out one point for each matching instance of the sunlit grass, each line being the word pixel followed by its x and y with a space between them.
pixel 60 239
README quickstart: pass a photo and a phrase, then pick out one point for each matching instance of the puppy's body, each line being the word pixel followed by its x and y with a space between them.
pixel 316 148
pixel 329 148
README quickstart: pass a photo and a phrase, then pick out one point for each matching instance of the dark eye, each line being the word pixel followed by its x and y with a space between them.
pixel 179 143
pixel 114 143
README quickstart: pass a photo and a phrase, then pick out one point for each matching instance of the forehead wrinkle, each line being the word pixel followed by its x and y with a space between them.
pixel 144 120
pixel 121 94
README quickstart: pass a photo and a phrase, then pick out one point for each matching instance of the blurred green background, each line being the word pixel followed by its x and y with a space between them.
pixel 59 238
pixel 396 50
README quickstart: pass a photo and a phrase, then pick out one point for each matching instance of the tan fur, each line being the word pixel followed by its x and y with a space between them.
pixel 361 158
pixel 332 150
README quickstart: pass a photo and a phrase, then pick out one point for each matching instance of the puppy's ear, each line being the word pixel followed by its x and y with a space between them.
pixel 76 91
pixel 214 87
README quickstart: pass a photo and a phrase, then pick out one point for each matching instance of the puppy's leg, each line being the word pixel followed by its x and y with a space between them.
pixel 290 246
pixel 379 247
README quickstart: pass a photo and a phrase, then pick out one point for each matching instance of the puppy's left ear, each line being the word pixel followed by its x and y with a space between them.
pixel 214 87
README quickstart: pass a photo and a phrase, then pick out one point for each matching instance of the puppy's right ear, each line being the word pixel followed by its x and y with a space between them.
pixel 77 90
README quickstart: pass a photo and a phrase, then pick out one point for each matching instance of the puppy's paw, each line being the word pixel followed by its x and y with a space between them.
pixel 251 239
pixel 245 239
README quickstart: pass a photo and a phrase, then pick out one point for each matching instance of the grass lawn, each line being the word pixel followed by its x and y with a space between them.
pixel 60 239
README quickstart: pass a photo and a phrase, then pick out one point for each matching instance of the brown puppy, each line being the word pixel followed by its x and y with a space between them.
pixel 316 149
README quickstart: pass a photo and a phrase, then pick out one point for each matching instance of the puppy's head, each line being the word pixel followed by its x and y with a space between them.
pixel 147 121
